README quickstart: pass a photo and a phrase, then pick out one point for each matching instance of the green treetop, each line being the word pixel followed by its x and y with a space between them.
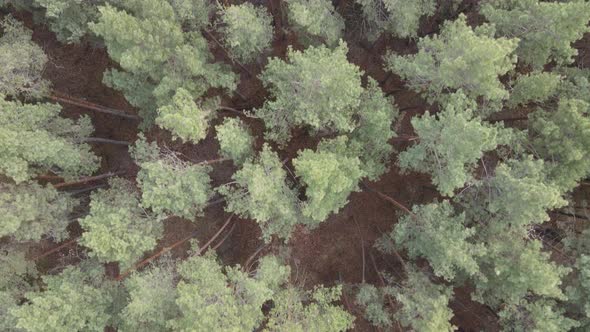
pixel 329 176
pixel 546 29
pixel 193 14
pixel 297 311
pixel 117 228
pixel 539 315
pixel 575 83
pixel 562 137
pixel 370 140
pixel 235 140
pixel 184 118
pixel 317 88
pixel 170 185
pixel 69 19
pixel 16 272
pixel 513 268
pixel 159 57
pixel 31 211
pixel 77 299
pixel 372 301
pixel 458 58
pixel 424 304
pixel 35 139
pixel 401 18
pixel 247 30
pixel 450 144
pixel 535 87
pixel 21 61
pixel 316 22
pixel 437 233
pixel 260 191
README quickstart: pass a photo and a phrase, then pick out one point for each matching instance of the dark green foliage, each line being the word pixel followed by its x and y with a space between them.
pixel 316 22
pixel 401 18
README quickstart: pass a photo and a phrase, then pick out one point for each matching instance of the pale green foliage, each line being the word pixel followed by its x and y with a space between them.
pixel 77 299
pixel 329 176
pixel 211 300
pixel 458 58
pixel 158 58
pixel 15 271
pixel 576 84
pixel 317 88
pixel 540 315
pixel 399 17
pixel 437 233
pixel 513 268
pixel 69 19
pixel 35 139
pixel 143 151
pixel 319 314
pixel 450 144
pixel 578 290
pixel 117 228
pixel 172 186
pixel 562 137
pixel 546 29
pixel 534 87
pixel 370 140
pixel 272 272
pixel 21 61
pixel 235 140
pixel 151 299
pixel 184 118
pixel 261 192
pixel 31 211
pixel 315 21
pixel 371 299
pixel 193 13
pixel 247 30
pixel 424 304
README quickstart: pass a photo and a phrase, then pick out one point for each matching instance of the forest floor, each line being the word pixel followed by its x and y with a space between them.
pixel 341 249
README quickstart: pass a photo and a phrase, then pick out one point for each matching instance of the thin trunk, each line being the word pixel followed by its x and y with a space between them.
pixel 87 179
pixel 213 161
pixel 62 98
pixel 58 248
pixel 521 118
pixel 105 141
pixel 390 199
pixel 174 245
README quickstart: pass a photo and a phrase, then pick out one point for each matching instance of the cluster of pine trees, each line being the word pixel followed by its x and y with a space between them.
pixel 505 142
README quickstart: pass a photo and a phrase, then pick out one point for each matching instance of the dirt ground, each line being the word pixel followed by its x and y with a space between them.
pixel 330 254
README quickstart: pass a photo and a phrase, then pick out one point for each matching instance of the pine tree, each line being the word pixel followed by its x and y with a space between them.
pixel 458 58
pixel 317 88
pixel 170 185
pixel 372 300
pixel 427 233
pixel 235 140
pixel 159 58
pixel 370 140
pixel 401 18
pixel 77 299
pixel 247 30
pixel 450 144
pixel 315 22
pixel 184 118
pixel 534 87
pixel 15 275
pixel 31 211
pixel 562 137
pixel 546 29
pixel 329 176
pixel 540 315
pixel 260 191
pixel 35 139
pixel 69 19
pixel 21 62
pixel 117 229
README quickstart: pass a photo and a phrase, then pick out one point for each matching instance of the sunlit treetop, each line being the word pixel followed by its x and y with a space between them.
pixel 35 140
pixel 535 87
pixel 21 62
pixel 247 30
pixel 32 211
pixel 459 57
pixel 315 22
pixel 235 140
pixel 546 29
pixel 535 315
pixel 400 18
pixel 317 88
pixel 16 274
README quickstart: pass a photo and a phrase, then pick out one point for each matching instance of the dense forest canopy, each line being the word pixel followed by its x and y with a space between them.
pixel 298 165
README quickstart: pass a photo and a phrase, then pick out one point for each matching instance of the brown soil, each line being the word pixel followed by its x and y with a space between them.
pixel 330 254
